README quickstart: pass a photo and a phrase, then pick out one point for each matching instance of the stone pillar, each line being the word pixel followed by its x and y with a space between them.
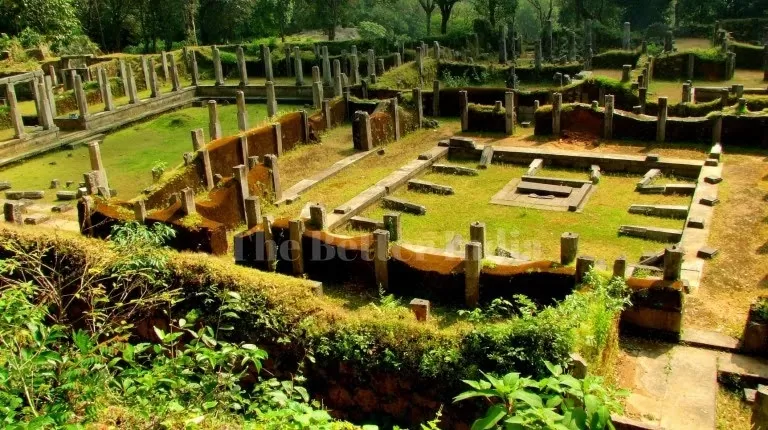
pixel 509 112
pixel 252 211
pixel 537 56
pixel 673 262
pixel 569 247
pixel 724 97
pixel 436 98
pixel 371 63
pixel 94 153
pixel 140 211
pixel 686 92
pixel 195 74
pixel 731 63
pixel 337 78
pixel 393 225
pixel 327 76
pixel 717 128
pixel 82 102
pixel 304 126
pixel 502 44
pixel 52 75
pixel 661 123
pixel 175 81
pixel 145 71
pixel 217 72
pixel 295 234
pixel 316 74
pixel 318 217
pixel 557 108
pixel 620 267
pixel 626 38
pixel 207 169
pixel 364 89
pixel 123 76
pixel 625 71
pixel 366 136
pixel 240 175
pixel 133 95
pixel 15 113
pixel 608 117
pixel 738 89
pixel 381 258
pixel 45 107
pixel 317 94
pixel 437 50
pixel 464 109
pixel 164 62
pixel 214 126
pixel 188 201
pixel 395 114
pixel 297 65
pixel 668 38
pixel 399 59
pixel 241 66
pixel 355 69
pixel 759 418
pixel 583 266
pixel 271 99
pixel 51 97
pixel 270 162
pixel 198 139
pixel 477 234
pixel 765 63
pixel 266 57
pixel 642 95
pixel 153 85
pixel 277 132
pixel 473 261
pixel 419 107
pixel 242 113
pixel 106 90
pixel 325 110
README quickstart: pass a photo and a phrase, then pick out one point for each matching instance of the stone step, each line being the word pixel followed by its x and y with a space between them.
pixel 667 235
pixel 573 183
pixel 429 187
pixel 524 187
pixel 709 340
pixel 664 211
pixel 461 142
pixel 403 206
pixel 365 224
pixel 454 170
pixel 690 401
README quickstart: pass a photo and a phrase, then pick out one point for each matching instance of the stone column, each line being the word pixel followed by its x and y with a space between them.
pixel 295 234
pixel 371 63
pixel 583 265
pixel 106 90
pixel 318 217
pixel 266 57
pixel 214 126
pixel 620 267
pixel 464 109
pixel 642 95
pixel 218 73
pixel 198 139
pixel 673 262
pixel 608 117
pixel 271 99
pixel 724 97
pixel 133 95
pixel 738 89
pixel 419 107
pixel 557 107
pixel 569 247
pixel 252 212
pixel 477 234
pixel 316 74
pixel 509 112
pixel 123 77
pixel 626 38
pixel 337 78
pixel 686 92
pixel 241 66
pixel 242 112
pixel 503 44
pixel 195 77
pixel 153 86
pixel 380 66
pixel 51 97
pixel 381 258
pixel 15 113
pixel 731 65
pixel 326 111
pixel 298 66
pixel 175 82
pixel 661 123
pixel 240 175
pixel 164 62
pixel 207 169
pixel 270 162
pixel 45 107
pixel 473 261
pixel 355 69
pixel 52 74
pixel 395 114
pixel 436 98
pixel 94 153
pixel 188 201
pixel 717 128
pixel 304 126
pixel 317 94
pixel 140 211
pixel 537 59
pixel 327 77
pixel 625 71
pixel 82 102
pixel 364 130
pixel 145 70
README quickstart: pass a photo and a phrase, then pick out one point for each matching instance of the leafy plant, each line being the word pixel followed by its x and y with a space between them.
pixel 558 401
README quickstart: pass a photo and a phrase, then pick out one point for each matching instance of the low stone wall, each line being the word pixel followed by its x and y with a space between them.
pixel 288 93
pixel 485 118
pixel 657 308
pixel 675 66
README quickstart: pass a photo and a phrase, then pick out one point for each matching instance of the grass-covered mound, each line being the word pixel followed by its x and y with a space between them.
pixel 370 360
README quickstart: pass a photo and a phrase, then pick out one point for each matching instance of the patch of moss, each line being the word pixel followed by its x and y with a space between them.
pixel 192 221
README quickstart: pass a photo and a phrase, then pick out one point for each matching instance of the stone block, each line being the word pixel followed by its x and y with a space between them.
pixel 652 189
pixel 61 208
pixel 461 142
pixel 454 170
pixel 534 167
pixel 652 158
pixel 680 189
pixel 4 185
pixel 420 308
pixel 649 176
pixel 709 201
pixel 543 189
pixel 486 157
pixel 712 179
pixel 66 195
pixel 429 187
pixel 695 222
pixel 403 206
pixel 365 224
pixel 712 162
pixel 707 252
pixel 36 219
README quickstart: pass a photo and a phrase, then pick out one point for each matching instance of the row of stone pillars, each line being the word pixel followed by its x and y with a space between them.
pixel 508 106
pixel 45 105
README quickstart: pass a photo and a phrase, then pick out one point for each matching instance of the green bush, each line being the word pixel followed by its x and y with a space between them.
pixel 370 30
pixel 615 59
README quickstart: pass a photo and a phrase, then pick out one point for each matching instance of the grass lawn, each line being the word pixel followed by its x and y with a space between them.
pixel 130 153
pixel 533 232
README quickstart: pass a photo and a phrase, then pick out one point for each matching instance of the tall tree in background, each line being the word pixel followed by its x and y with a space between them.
pixel 496 11
pixel 429 7
pixel 543 10
pixel 446 7
pixel 280 14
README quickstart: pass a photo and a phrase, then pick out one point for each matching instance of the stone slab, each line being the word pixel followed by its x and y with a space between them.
pixel 454 170
pixel 690 401
pixel 578 197
pixel 524 187
pixel 566 182
pixel 680 189
pixel 486 157
pixel 667 235
pixel 664 211
pixel 36 219
pixel 366 224
pixel 649 177
pixel 403 206
pixel 534 167
pixel 709 340
pixel 707 252
pixel 429 187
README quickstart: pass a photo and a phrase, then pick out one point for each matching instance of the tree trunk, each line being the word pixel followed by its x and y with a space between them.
pixel 429 23
pixel 332 33
pixel 444 21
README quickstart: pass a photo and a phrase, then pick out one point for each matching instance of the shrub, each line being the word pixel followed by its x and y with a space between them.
pixel 371 30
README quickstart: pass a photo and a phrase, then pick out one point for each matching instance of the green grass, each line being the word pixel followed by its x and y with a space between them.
pixel 129 154
pixel 531 231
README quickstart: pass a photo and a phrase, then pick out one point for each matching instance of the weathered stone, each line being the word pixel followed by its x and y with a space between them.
pixel 711 162
pixel 543 189
pixel 66 195
pixel 472 268
pixel 4 185
pixel 380 258
pixel 665 211
pixel 583 266
pixel 695 222
pixel 420 309
pixel 393 225
pixel 707 252
pixel 403 206
pixel 36 219
pixel 649 177
pixel 668 235
pixel 365 224
pixel 454 170
pixel 594 174
pixel 61 208
pixel 713 179
pixel 429 187
pixel 569 247
pixel 709 201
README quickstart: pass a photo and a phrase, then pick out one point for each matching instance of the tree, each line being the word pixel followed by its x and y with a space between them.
pixel 429 7
pixel 331 12
pixel 280 14
pixel 543 10
pixel 496 11
pixel 446 7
